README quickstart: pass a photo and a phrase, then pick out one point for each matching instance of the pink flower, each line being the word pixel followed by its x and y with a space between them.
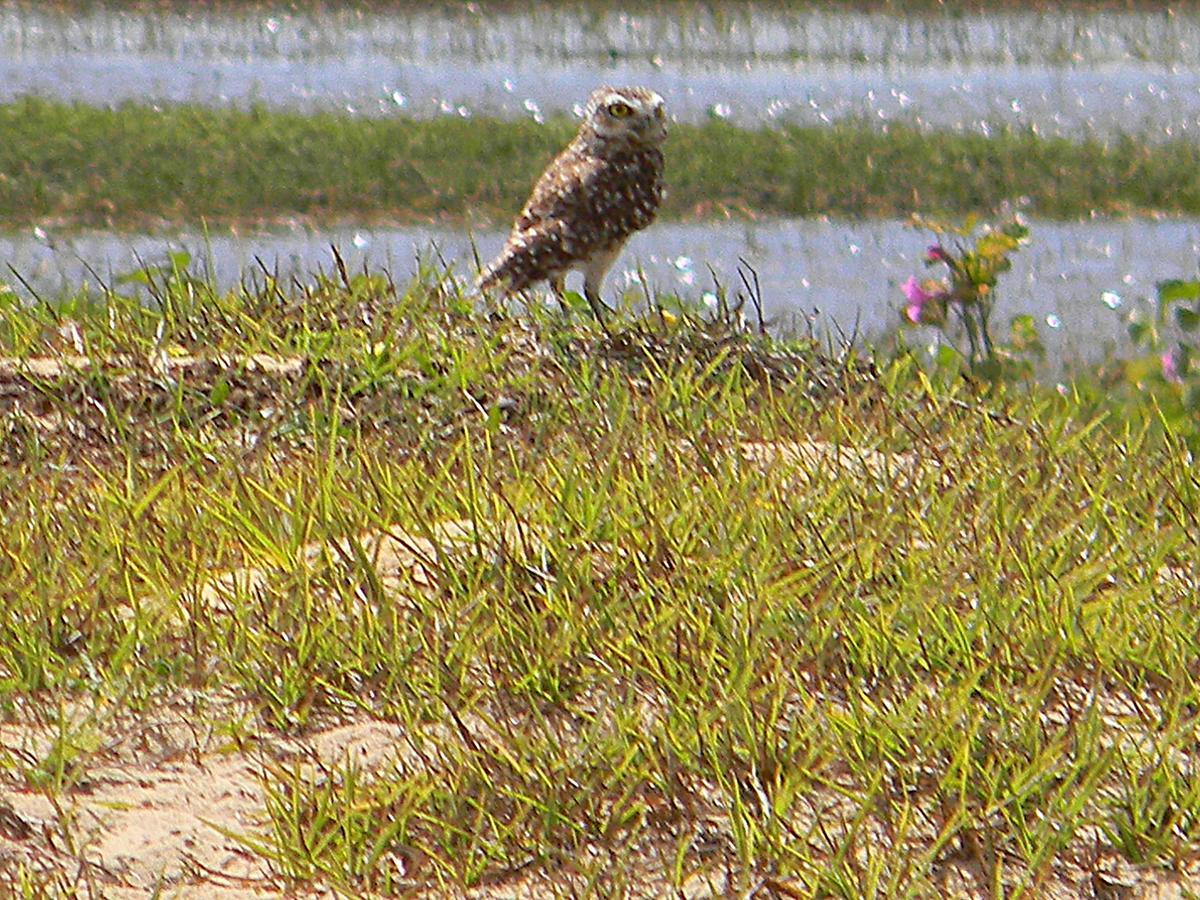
pixel 936 253
pixel 1171 366
pixel 914 291
pixel 924 306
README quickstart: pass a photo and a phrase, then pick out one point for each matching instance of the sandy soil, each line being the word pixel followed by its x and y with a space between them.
pixel 166 810
pixel 166 818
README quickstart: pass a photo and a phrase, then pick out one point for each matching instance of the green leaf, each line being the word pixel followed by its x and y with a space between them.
pixel 153 493
pixel 995 245
pixel 137 276
pixel 947 358
pixel 1016 230
pixel 575 301
pixel 1187 318
pixel 1141 331
pixel 1175 289
pixel 494 416
pixel 219 393
pixel 1023 333
pixel 180 260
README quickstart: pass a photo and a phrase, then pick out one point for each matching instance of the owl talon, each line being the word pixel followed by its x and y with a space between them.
pixel 600 309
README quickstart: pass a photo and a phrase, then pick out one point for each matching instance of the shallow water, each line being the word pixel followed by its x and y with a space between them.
pixel 677 32
pixel 1065 72
pixel 839 275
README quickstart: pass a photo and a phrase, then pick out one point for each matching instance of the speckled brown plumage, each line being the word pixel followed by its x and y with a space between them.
pixel 606 184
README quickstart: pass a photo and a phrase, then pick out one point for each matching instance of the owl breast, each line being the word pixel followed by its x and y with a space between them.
pixel 626 192
pixel 594 201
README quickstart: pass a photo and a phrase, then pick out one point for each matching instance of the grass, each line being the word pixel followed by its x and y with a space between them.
pixel 660 629
pixel 137 166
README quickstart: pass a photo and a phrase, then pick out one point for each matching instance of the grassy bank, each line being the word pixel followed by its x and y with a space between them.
pixel 138 166
pixel 653 609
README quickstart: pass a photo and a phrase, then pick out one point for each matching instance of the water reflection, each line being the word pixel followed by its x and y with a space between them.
pixel 1078 278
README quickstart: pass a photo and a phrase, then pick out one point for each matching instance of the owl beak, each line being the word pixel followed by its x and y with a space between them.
pixel 655 129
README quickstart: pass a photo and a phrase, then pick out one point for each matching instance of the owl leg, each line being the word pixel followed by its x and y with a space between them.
pixel 558 284
pixel 593 277
pixel 591 293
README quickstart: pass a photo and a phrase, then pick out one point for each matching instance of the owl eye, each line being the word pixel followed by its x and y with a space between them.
pixel 619 110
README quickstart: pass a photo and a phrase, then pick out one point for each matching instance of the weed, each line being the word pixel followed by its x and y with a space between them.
pixel 969 293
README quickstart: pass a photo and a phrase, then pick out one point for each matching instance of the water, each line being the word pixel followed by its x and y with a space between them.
pixel 843 276
pixel 674 32
pixel 1070 72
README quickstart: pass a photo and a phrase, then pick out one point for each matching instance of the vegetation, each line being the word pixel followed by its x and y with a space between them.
pixel 660 603
pixel 1158 374
pixel 683 603
pixel 968 293
pixel 138 166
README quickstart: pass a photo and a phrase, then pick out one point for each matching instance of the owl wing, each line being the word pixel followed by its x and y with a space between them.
pixel 558 226
pixel 570 193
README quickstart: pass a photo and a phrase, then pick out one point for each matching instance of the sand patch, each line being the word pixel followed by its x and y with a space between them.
pixel 141 824
pixel 806 459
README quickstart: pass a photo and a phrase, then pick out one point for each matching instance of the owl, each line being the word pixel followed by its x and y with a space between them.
pixel 606 184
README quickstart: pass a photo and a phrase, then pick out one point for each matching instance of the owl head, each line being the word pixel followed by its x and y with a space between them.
pixel 631 116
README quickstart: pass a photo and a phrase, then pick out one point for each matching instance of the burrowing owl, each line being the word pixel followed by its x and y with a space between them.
pixel 606 184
